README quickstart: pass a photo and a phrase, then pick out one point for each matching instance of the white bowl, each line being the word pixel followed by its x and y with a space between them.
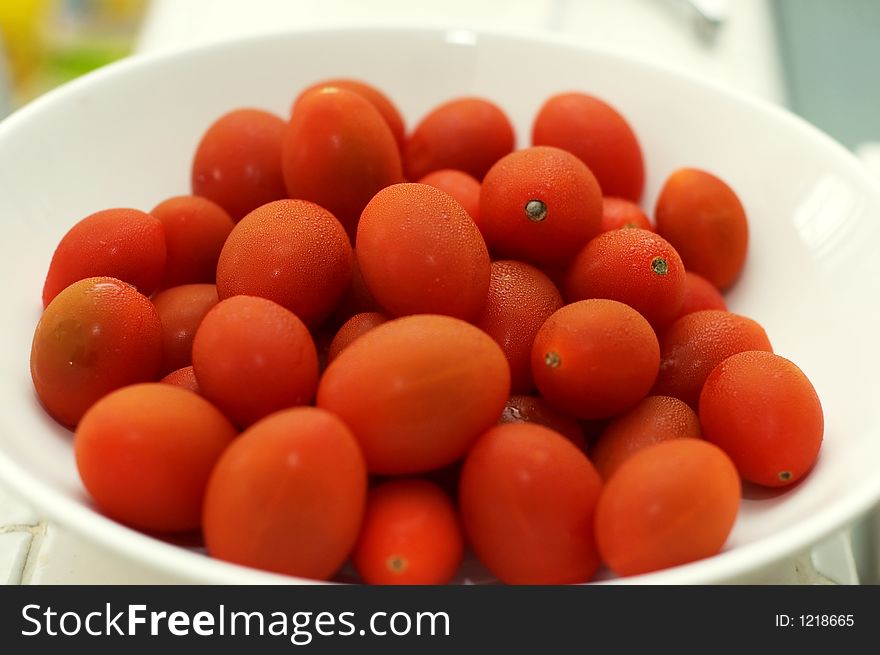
pixel 125 135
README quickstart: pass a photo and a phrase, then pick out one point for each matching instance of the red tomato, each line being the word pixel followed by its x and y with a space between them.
pixel 292 252
pixel 636 267
pixel 238 161
pixel 599 135
pixel 181 310
pixel 185 378
pixel 461 186
pixel 410 535
pixel 534 409
pixel 376 98
pixel 467 134
pixel 520 299
pixel 669 504
pixel 703 218
pixel 620 213
pixel 339 152
pixel 695 344
pixel 195 230
pixel 605 337
pixel 288 495
pixel 421 253
pixel 527 497
pixel 655 419
pixel 126 244
pixel 356 326
pixel 97 335
pixel 540 205
pixel 145 453
pixel 252 357
pixel 699 294
pixel 357 298
pixel 764 413
pixel 417 391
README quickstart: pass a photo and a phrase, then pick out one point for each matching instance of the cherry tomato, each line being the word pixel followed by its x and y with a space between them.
pixel 534 409
pixel 185 378
pixel 410 535
pixel 620 213
pixel 238 161
pixel 357 325
pixel 252 357
pixel 764 413
pixel 417 391
pixel 699 294
pixel 527 497
pixel 669 504
pixel 599 135
pixel 467 134
pixel 181 310
pixel 704 219
pixel 540 205
pixel 421 253
pixel 610 340
pixel 288 495
pixel 521 298
pixel 696 343
pixel 376 98
pixel 357 298
pixel 461 186
pixel 655 419
pixel 636 267
pixel 97 335
pixel 195 230
pixel 126 244
pixel 145 452
pixel 339 152
pixel 292 252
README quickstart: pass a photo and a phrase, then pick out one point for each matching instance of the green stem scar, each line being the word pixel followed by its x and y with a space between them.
pixel 552 359
pixel 536 211
pixel 659 266
pixel 396 563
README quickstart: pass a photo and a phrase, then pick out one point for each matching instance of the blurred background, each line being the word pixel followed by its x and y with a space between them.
pixel 819 58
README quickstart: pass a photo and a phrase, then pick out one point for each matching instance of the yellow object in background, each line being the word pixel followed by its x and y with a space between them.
pixel 48 42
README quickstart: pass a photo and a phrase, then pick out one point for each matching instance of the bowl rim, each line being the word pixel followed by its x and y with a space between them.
pixel 196 568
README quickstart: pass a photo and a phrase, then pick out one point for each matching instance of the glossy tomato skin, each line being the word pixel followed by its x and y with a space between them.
pixel 461 186
pixel 356 326
pixel 655 419
pixel 195 230
pixel 237 163
pixel 379 100
pixel 540 205
pixel 696 343
pixel 252 357
pixel 417 391
pixel 126 244
pixel 292 252
pixel 620 213
pixel 636 267
pixel 97 335
pixel 185 378
pixel 669 504
pixel 534 409
pixel 520 299
pixel 703 218
pixel 700 294
pixel 288 495
pixel 338 153
pixel 605 337
pixel 145 452
pixel 181 310
pixel 527 497
pixel 411 535
pixel 421 253
pixel 598 135
pixel 764 413
pixel 467 134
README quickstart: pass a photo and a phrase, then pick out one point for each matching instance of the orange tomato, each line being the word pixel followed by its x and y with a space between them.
pixel 620 213
pixel 181 310
pixel 185 378
pixel 356 326
pixel 461 186
pixel 534 409
pixel 699 294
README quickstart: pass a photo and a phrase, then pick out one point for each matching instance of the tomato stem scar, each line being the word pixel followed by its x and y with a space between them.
pixel 659 266
pixel 396 563
pixel 536 210
pixel 552 359
pixel 785 476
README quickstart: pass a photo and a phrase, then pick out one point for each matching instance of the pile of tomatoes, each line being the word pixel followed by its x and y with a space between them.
pixel 358 344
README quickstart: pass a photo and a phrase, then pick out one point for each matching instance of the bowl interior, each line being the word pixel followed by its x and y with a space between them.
pixel 125 137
